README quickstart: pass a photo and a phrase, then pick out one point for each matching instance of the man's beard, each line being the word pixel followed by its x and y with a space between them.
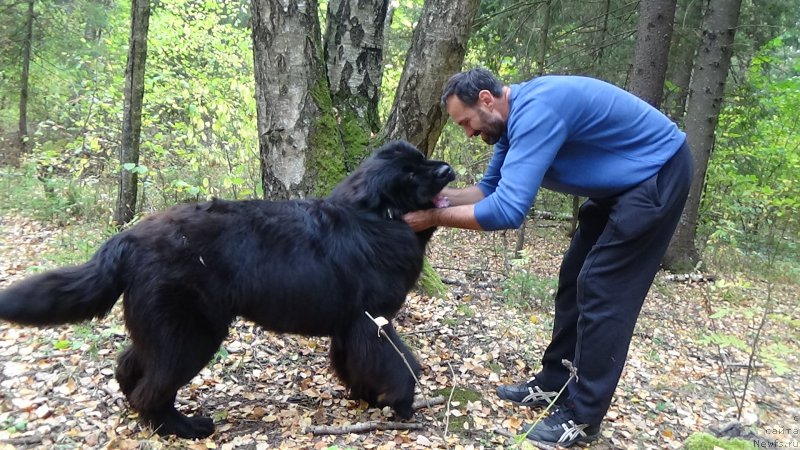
pixel 492 127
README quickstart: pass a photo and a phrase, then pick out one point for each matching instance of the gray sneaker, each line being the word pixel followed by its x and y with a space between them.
pixel 561 428
pixel 530 394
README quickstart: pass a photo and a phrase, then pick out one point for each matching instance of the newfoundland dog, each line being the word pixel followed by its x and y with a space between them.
pixel 310 267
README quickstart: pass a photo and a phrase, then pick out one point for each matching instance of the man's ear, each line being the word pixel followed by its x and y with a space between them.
pixel 486 98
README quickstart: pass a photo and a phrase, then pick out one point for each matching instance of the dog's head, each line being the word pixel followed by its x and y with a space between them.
pixel 395 180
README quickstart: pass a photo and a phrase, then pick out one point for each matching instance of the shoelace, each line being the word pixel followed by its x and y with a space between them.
pixel 562 417
pixel 536 393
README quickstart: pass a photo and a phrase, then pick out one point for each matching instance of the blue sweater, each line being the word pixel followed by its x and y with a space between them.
pixel 575 135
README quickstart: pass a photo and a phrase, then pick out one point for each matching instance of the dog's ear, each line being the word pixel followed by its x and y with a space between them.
pixel 360 189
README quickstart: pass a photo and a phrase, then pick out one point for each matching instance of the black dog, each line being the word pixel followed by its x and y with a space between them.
pixel 310 267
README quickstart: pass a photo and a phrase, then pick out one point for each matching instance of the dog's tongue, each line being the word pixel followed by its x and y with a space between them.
pixel 440 201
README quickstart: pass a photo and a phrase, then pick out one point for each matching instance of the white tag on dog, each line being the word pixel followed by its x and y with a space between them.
pixel 380 321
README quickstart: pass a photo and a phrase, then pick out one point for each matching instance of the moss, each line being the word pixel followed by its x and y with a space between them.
pixel 461 396
pixel 326 162
pixel 430 283
pixel 355 137
pixel 705 441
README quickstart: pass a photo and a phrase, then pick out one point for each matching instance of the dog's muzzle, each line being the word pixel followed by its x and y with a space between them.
pixel 445 171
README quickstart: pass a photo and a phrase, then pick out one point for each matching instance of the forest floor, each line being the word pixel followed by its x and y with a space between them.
pixel 263 390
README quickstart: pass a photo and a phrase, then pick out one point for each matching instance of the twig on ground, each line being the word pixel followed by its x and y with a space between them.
pixel 23 440
pixel 449 402
pixel 362 427
pixel 420 403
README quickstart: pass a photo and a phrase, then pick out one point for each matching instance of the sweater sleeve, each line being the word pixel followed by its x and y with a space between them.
pixel 491 177
pixel 535 134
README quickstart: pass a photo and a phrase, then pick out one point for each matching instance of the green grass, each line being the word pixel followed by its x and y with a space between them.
pixel 460 396
pixel 59 199
pixel 704 441
pixel 80 209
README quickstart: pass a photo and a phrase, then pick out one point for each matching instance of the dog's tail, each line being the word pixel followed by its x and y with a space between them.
pixel 69 294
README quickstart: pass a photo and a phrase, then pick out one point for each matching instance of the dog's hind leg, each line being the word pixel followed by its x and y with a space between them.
pixel 128 371
pixel 166 354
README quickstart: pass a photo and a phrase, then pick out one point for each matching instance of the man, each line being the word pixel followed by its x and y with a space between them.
pixel 585 137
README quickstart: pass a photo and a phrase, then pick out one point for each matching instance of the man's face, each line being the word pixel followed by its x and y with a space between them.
pixel 478 120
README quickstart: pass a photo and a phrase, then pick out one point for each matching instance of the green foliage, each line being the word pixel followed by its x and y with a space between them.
pixel 199 136
pixel 524 288
pixel 397 38
pixel 593 38
pixel 14 425
pixel 199 132
pixel 752 190
pixel 705 441
pixel 733 299
pixel 59 199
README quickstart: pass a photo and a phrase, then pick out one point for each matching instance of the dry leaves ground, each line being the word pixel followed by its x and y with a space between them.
pixel 57 388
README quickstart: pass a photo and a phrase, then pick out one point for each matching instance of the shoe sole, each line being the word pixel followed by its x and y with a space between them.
pixel 583 442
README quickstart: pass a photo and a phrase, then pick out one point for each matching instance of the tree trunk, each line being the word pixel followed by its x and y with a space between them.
pixel 602 31
pixel 354 57
pixel 685 41
pixel 132 113
pixel 437 52
pixel 706 92
pixel 298 141
pixel 652 50
pixel 24 80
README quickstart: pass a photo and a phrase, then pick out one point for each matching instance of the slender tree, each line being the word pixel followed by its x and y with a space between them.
pixel 299 147
pixel 354 57
pixel 437 51
pixel 650 55
pixel 132 113
pixel 685 39
pixel 706 94
pixel 438 47
pixel 24 81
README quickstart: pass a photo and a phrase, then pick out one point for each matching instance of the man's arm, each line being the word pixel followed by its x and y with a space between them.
pixel 460 214
pixel 465 196
pixel 455 217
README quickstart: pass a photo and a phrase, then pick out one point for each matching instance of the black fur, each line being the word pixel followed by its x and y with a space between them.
pixel 309 267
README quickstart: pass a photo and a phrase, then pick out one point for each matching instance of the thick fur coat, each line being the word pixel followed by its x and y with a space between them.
pixel 310 267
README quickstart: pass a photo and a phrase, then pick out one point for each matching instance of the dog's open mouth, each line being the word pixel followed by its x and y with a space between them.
pixel 440 201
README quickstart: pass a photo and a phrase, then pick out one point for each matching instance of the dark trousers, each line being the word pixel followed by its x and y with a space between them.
pixel 604 278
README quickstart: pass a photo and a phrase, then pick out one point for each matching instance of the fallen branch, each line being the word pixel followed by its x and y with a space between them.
pixel 362 427
pixel 23 440
pixel 547 215
pixel 420 403
pixel 690 277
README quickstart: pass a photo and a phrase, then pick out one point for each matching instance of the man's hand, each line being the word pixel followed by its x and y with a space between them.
pixel 421 220
pixel 454 216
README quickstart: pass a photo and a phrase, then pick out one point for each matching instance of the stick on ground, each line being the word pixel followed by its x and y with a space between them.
pixel 364 427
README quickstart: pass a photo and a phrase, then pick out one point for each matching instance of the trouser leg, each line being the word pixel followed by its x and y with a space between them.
pixel 615 277
pixel 591 223
pixel 604 278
